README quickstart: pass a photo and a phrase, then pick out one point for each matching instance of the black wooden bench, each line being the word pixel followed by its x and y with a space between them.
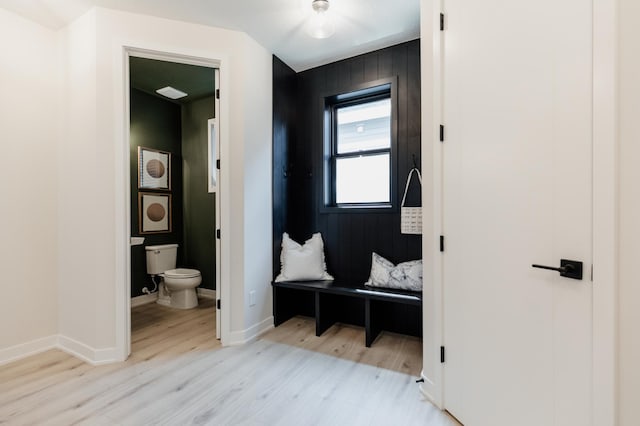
pixel 332 301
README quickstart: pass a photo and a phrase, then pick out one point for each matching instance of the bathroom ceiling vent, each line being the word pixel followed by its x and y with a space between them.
pixel 171 93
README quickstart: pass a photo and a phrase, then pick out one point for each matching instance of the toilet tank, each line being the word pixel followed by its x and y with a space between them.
pixel 161 258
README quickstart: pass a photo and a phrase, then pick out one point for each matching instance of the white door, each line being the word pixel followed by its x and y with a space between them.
pixel 216 148
pixel 517 109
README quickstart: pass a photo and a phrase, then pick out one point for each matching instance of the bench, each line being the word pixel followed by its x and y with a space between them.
pixel 329 302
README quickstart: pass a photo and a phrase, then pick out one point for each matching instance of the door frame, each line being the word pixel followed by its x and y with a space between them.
pixel 604 206
pixel 123 205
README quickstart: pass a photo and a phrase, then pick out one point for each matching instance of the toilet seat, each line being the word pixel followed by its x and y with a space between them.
pixel 181 273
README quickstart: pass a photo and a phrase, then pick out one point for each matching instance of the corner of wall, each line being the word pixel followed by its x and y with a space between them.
pixel 251 333
pixel 258 200
pixel 77 157
pixel 86 353
pixel 28 168
pixel 70 346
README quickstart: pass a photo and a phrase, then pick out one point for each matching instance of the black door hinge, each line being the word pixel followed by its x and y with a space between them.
pixel 218 304
pixel 217 233
pixel 442 22
pixel 442 354
pixel 442 243
pixel 441 133
pixel 218 164
pixel 217 93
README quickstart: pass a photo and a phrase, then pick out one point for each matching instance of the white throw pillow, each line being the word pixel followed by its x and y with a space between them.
pixel 404 276
pixel 303 262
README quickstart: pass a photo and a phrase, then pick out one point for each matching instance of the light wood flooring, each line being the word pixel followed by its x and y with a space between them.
pixel 179 374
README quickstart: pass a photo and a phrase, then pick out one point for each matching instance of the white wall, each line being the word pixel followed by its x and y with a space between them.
pixel 629 214
pixel 258 119
pixel 81 171
pixel 94 164
pixel 29 83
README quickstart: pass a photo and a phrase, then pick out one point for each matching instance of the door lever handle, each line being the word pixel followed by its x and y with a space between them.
pixel 568 268
pixel 561 269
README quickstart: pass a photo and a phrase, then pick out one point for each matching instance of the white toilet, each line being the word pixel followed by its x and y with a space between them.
pixel 178 286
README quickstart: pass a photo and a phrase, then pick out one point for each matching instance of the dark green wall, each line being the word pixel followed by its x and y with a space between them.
pixel 154 124
pixel 199 205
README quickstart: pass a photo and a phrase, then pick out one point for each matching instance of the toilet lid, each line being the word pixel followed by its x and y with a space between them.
pixel 182 273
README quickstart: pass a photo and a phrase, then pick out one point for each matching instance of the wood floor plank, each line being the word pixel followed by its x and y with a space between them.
pixel 179 374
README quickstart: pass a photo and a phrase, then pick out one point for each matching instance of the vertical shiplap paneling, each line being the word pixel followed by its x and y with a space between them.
pixel 314 196
pixel 371 67
pixel 385 63
pixel 350 238
pixel 284 133
pixel 399 68
pixel 414 135
pixel 344 73
pixel 359 227
pixel 357 70
pixel 333 240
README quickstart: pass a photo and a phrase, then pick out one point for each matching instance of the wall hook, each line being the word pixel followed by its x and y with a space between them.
pixel 287 170
pixel 415 164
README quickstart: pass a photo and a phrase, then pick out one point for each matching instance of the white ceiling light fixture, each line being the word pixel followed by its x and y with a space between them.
pixel 321 25
pixel 171 93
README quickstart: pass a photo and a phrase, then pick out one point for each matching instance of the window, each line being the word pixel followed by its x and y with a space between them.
pixel 359 152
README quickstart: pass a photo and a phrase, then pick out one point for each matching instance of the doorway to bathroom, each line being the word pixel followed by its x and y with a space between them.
pixel 174 153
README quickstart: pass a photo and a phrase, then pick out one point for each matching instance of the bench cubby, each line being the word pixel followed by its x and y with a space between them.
pixel 330 302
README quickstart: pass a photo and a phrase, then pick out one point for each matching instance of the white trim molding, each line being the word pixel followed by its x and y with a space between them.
pixel 431 101
pixel 23 350
pixel 206 293
pixel 86 353
pixel 605 211
pixel 72 347
pixel 426 387
pixel 122 51
pixel 241 337
pixel 144 299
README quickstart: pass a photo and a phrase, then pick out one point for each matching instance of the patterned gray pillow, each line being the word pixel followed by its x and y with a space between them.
pixel 404 276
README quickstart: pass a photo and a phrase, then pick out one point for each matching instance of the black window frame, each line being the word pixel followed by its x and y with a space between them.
pixel 355 95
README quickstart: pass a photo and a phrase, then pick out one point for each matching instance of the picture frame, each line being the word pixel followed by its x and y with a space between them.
pixel 154 213
pixel 212 155
pixel 154 169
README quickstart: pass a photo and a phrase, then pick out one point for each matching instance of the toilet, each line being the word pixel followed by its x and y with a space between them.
pixel 178 286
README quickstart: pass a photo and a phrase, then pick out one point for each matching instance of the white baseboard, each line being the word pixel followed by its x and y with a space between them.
pixel 427 388
pixel 66 344
pixel 144 299
pixel 206 293
pixel 24 350
pixel 87 353
pixel 237 338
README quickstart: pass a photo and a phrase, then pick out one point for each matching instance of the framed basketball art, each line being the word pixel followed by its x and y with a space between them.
pixel 154 169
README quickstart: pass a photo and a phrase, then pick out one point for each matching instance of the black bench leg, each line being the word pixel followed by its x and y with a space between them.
pixel 324 318
pixel 371 323
pixel 282 311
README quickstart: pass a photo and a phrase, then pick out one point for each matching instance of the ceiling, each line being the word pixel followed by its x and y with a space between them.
pixel 148 75
pixel 279 25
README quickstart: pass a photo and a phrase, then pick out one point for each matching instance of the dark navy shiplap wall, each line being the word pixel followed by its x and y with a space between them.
pixel 284 135
pixel 349 238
